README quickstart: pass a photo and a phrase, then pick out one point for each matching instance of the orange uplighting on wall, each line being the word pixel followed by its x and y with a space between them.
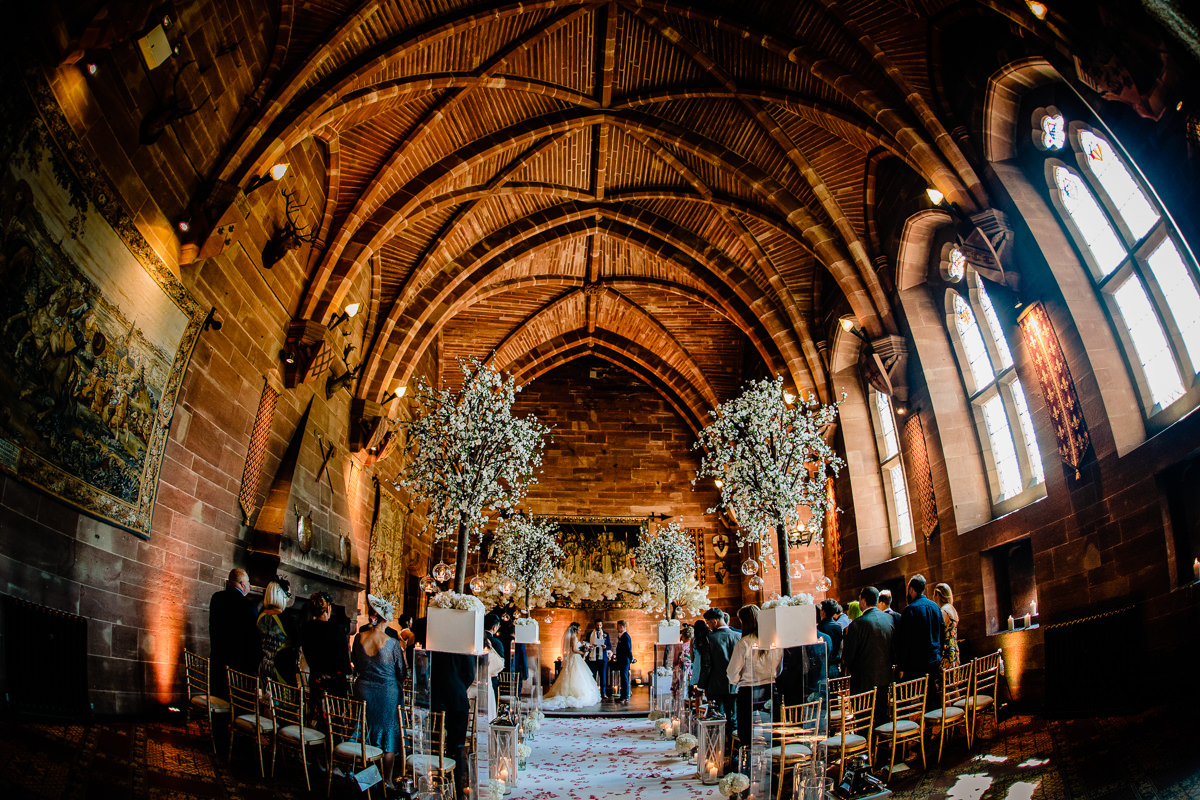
pixel 165 622
pixel 831 528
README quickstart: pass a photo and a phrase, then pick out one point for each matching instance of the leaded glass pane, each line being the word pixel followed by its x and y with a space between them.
pixel 957 266
pixel 1180 291
pixel 993 323
pixel 1131 202
pixel 887 426
pixel 1150 343
pixel 1031 447
pixel 1054 131
pixel 1085 212
pixel 900 498
pixel 972 344
pixel 1004 452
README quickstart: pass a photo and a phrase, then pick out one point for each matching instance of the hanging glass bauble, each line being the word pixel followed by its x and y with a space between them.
pixel 795 570
pixel 755 583
pixel 505 617
pixel 824 584
pixel 476 584
pixel 428 585
pixel 749 567
pixel 508 585
pixel 442 572
pixel 773 596
pixel 549 620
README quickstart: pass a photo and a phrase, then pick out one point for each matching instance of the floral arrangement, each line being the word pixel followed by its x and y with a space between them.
pixel 633 588
pixel 772 458
pixel 523 751
pixel 667 558
pixel 526 551
pixel 496 789
pixel 531 725
pixel 662 672
pixel 524 622
pixel 657 714
pixel 668 623
pixel 665 729
pixel 685 743
pixel 733 783
pixel 462 602
pixel 468 455
pixel 537 714
pixel 801 599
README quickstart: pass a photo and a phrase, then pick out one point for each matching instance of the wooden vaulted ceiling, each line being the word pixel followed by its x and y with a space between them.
pixel 654 183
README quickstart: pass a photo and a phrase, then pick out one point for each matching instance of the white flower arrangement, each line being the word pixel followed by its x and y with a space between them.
pixel 665 728
pixel 656 714
pixel 668 623
pixel 496 789
pixel 531 724
pixel 525 622
pixel 462 602
pixel 801 599
pixel 685 743
pixel 526 552
pixel 523 752
pixel 662 672
pixel 732 784
pixel 536 714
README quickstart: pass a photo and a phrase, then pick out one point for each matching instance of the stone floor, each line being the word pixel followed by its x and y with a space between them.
pixel 1149 755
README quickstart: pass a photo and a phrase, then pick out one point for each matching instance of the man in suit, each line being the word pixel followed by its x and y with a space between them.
pixel 714 663
pixel 868 651
pixel 448 692
pixel 622 659
pixel 599 650
pixel 919 641
pixel 885 605
pixel 232 631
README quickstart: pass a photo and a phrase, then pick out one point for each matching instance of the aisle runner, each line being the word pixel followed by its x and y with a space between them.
pixel 603 759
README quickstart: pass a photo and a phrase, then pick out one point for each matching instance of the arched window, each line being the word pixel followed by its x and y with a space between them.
pixel 1014 463
pixel 895 487
pixel 1136 259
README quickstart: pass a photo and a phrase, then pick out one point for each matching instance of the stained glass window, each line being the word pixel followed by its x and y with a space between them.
pixel 1035 454
pixel 1129 199
pixel 956 265
pixel 1054 131
pixel 903 514
pixel 1149 342
pixel 1097 231
pixel 1181 295
pixel 1004 453
pixel 972 343
pixel 993 322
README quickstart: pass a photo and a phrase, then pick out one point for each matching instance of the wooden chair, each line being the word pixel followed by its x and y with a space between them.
pixel 956 685
pixel 907 703
pixel 986 671
pixel 290 730
pixel 855 727
pixel 246 716
pixel 199 691
pixel 793 738
pixel 347 720
pixel 509 691
pixel 837 688
pixel 429 725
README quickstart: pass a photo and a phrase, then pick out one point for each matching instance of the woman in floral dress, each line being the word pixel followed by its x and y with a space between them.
pixel 945 599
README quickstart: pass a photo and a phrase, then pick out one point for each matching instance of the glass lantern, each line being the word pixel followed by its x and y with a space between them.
pixel 502 750
pixel 710 749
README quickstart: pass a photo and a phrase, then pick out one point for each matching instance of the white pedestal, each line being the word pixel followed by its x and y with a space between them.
pixel 527 631
pixel 787 626
pixel 451 630
pixel 669 633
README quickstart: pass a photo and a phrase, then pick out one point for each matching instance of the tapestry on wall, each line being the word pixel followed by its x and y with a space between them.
pixel 95 331
pixel 1054 376
pixel 386 562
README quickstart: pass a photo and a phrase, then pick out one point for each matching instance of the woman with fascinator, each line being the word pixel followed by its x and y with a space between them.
pixel 379 662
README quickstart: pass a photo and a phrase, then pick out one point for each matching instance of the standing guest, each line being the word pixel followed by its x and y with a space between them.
pixel 841 618
pixel 623 658
pixel 274 636
pixel 448 693
pixel 699 638
pixel 885 605
pixel 804 668
pixel 326 651
pixel 379 662
pixel 853 611
pixel 945 599
pixel 725 617
pixel 869 651
pixel 232 632
pixel 598 652
pixel 752 670
pixel 828 625
pixel 714 663
pixel 919 643
pixel 681 669
pixel 491 629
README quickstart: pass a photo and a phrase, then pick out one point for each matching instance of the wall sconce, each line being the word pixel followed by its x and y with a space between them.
pixel 1037 9
pixel 334 385
pixel 934 196
pixel 276 173
pixel 287 357
pixel 400 390
pixel 349 313
pixel 212 322
pixel 848 326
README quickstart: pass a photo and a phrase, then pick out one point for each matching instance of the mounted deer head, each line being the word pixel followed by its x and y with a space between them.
pixel 290 236
pixel 169 111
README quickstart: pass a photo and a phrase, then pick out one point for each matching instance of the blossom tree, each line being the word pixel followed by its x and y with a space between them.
pixel 468 455
pixel 771 459
pixel 668 556
pixel 527 552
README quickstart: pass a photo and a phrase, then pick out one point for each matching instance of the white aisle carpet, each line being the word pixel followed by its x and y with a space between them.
pixel 606 759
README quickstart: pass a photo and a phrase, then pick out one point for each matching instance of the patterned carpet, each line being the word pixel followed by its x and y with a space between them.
pixel 1141 757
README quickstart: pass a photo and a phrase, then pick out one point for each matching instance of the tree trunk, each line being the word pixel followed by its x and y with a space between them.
pixel 460 568
pixel 528 610
pixel 785 577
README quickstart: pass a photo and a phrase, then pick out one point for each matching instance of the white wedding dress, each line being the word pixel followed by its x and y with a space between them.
pixel 575 686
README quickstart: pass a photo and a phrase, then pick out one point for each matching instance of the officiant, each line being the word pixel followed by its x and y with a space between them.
pixel 599 651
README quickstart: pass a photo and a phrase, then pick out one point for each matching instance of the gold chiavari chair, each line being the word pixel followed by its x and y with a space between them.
pixel 907 703
pixel 854 725
pixel 956 685
pixel 434 764
pixel 347 720
pixel 793 737
pixel 246 716
pixel 287 703
pixel 983 693
pixel 837 688
pixel 199 690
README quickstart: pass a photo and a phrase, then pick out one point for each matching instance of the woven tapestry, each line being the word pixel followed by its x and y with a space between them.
pixel 250 495
pixel 918 464
pixel 701 570
pixel 386 562
pixel 1062 403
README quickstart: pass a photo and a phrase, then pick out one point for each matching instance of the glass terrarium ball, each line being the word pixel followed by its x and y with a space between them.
pixel 795 570
pixel 428 585
pixel 824 584
pixel 508 585
pixel 749 567
pixel 476 584
pixel 773 596
pixel 549 620
pixel 755 583
pixel 442 572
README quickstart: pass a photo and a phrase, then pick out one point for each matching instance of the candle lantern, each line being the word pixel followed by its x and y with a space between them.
pixel 502 750
pixel 710 749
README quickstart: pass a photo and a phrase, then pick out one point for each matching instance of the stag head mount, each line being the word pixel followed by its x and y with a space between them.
pixel 169 110
pixel 290 236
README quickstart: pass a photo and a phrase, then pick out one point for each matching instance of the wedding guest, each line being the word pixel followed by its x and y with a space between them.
pixel 752 670
pixel 841 618
pixel 885 605
pixel 232 631
pixel 699 641
pixel 379 663
pixel 491 628
pixel 945 599
pixel 623 658
pixel 715 661
pixel 853 611
pixel 869 651
pixel 919 640
pixel 803 669
pixel 326 651
pixel 681 668
pixel 828 625
pixel 274 636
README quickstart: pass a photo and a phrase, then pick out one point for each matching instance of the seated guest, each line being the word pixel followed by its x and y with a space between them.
pixel 379 663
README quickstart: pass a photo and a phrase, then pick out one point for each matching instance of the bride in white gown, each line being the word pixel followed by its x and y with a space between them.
pixel 575 686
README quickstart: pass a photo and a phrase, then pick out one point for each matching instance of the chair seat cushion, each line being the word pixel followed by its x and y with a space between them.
pixel 293 733
pixel 794 750
pixel 355 749
pixel 903 726
pixel 975 701
pixel 217 705
pixel 424 764
pixel 246 722
pixel 852 740
pixel 949 712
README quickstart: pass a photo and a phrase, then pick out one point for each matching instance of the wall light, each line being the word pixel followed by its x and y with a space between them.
pixel 934 196
pixel 276 173
pixel 1038 9
pixel 848 326
pixel 338 319
pixel 287 357
pixel 184 225
pixel 400 390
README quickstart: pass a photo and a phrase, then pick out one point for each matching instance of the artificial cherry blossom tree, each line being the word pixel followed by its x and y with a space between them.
pixel 527 552
pixel 667 556
pixel 469 457
pixel 772 460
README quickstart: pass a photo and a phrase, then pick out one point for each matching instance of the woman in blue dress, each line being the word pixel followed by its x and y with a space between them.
pixel 379 663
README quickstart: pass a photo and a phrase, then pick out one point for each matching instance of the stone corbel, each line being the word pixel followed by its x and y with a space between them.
pixel 988 246
pixel 305 352
pixel 888 359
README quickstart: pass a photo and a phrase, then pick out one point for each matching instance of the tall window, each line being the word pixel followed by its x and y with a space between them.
pixel 1014 463
pixel 894 485
pixel 1136 259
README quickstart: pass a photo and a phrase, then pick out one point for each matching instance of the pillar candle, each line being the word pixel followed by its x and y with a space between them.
pixel 1035 608
pixel 1028 619
pixel 1010 622
pixel 1196 569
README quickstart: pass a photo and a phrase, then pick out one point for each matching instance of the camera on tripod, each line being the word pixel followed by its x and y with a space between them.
pixel 857 780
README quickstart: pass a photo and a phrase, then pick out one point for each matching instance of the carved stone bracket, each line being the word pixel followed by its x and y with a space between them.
pixel 889 361
pixel 310 355
pixel 988 246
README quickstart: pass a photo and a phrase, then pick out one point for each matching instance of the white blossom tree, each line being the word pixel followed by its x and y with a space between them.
pixel 527 552
pixel 667 556
pixel 469 456
pixel 772 461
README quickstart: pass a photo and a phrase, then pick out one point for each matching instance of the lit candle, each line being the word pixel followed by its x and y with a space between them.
pixel 1010 622
pixel 1028 619
pixel 1196 569
pixel 1035 608
pixel 504 774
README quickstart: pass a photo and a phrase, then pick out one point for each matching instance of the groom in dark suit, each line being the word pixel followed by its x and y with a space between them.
pixel 623 659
